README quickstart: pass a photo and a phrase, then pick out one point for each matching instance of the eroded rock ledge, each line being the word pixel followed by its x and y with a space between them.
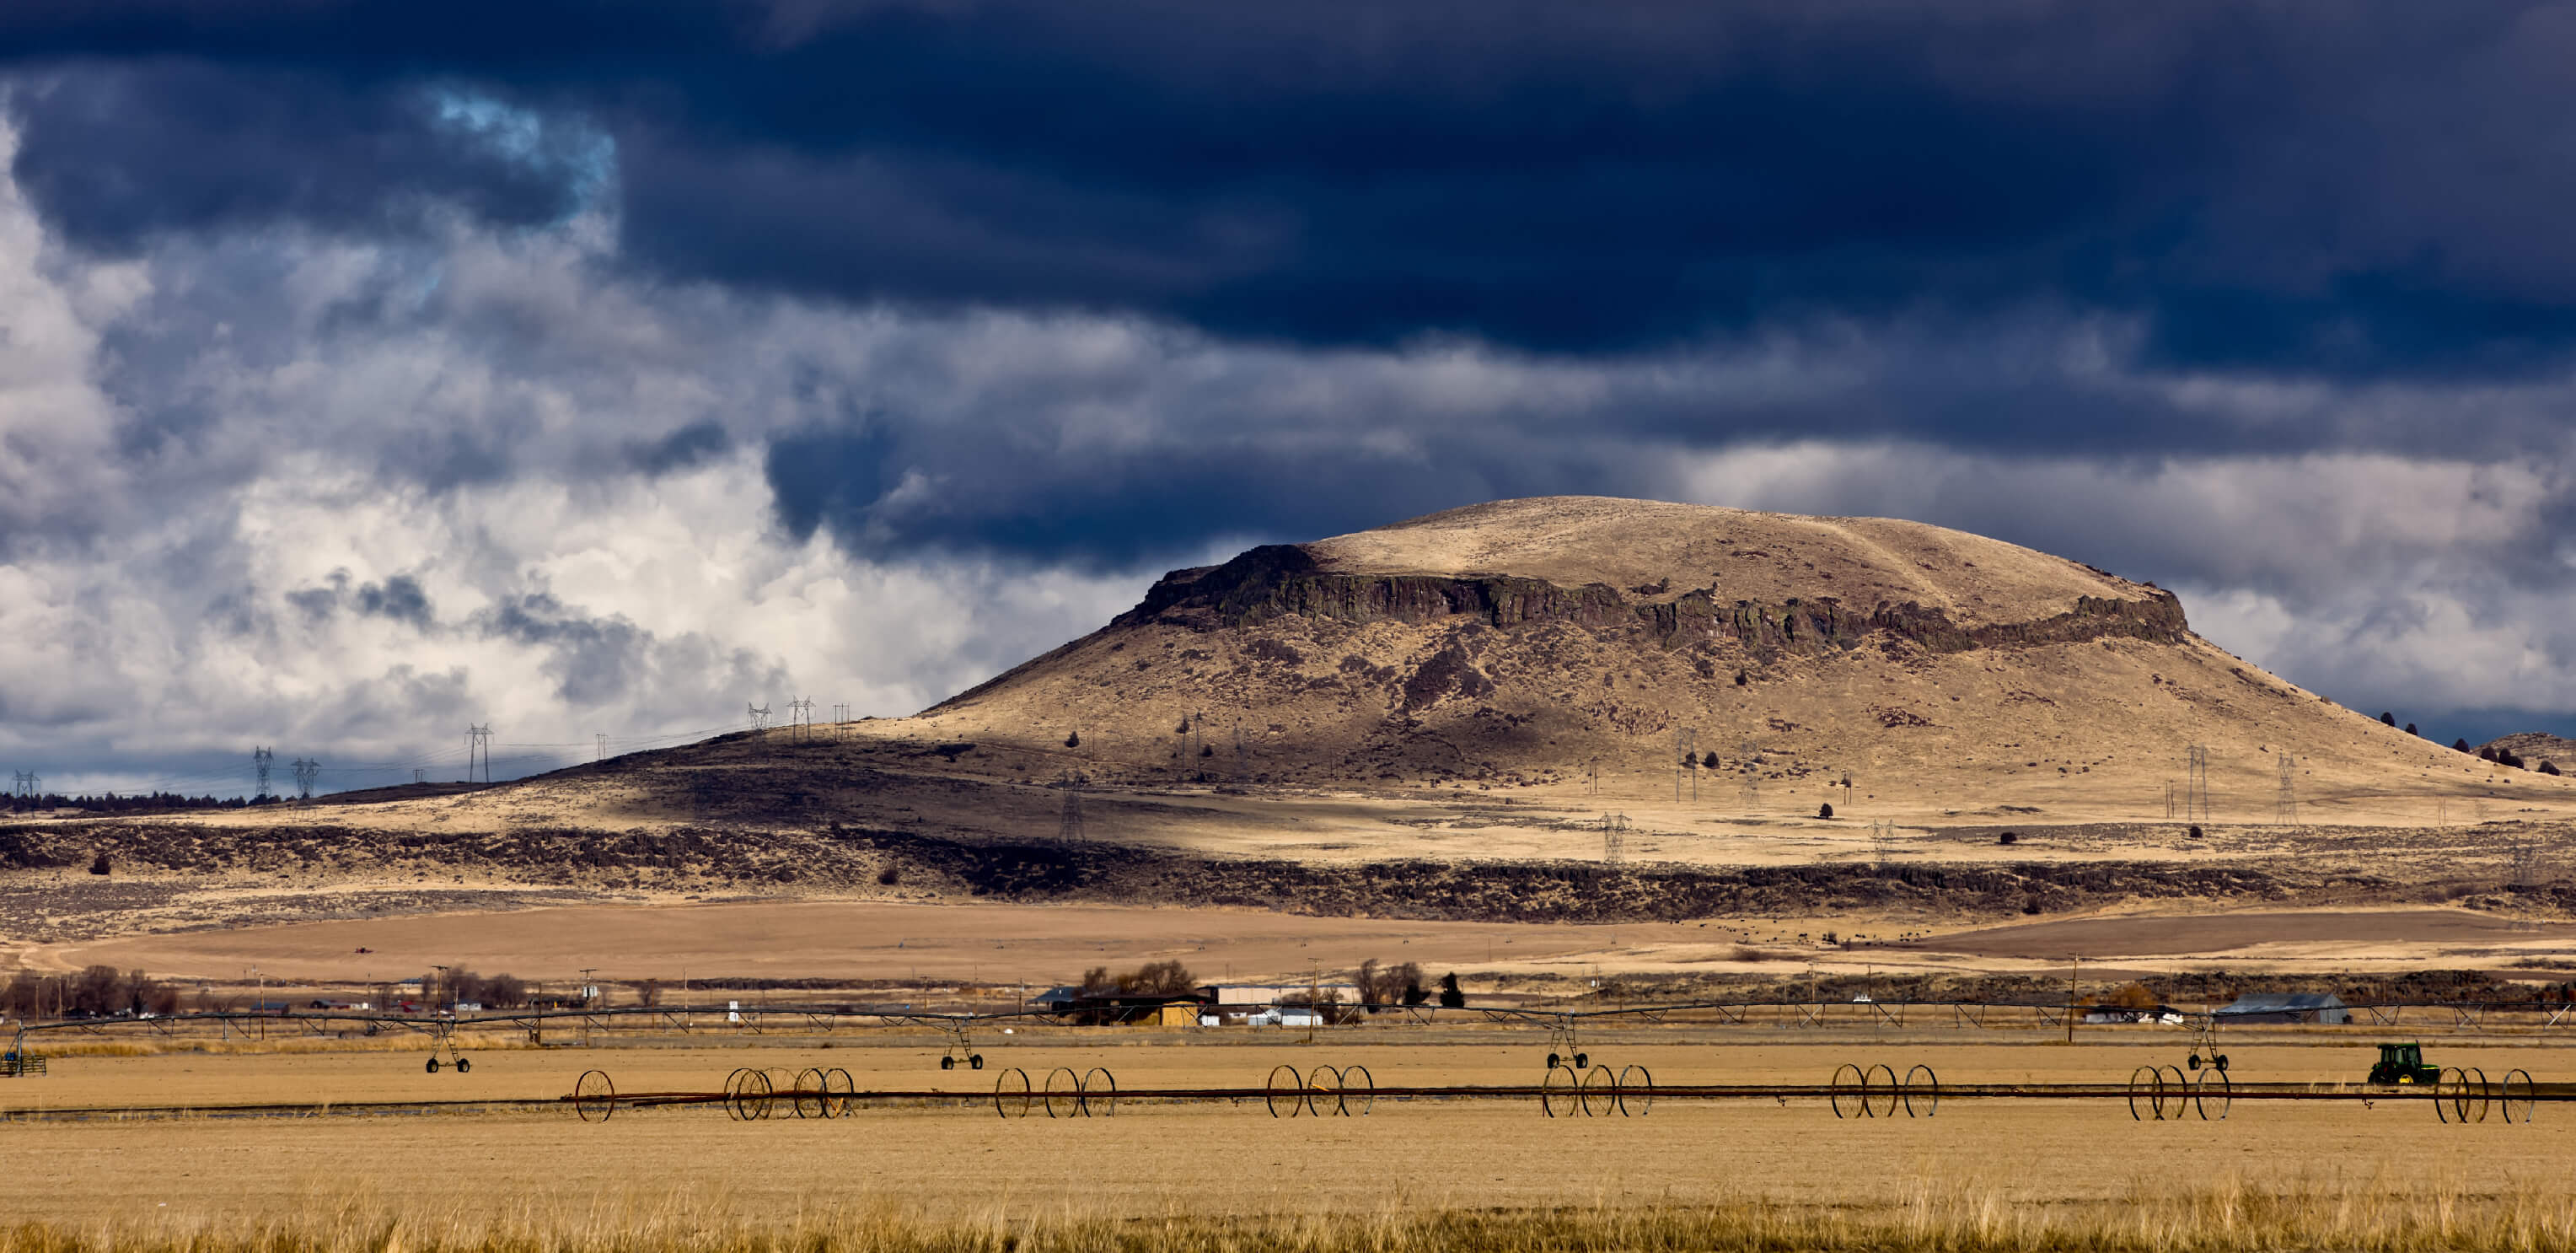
pixel 1279 580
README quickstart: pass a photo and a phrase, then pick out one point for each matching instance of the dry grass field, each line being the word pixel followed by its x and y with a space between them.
pixel 1689 1174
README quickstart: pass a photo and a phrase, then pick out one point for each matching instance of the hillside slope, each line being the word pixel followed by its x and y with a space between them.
pixel 1555 643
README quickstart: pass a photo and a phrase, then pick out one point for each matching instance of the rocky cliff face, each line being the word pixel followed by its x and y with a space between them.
pixel 1282 580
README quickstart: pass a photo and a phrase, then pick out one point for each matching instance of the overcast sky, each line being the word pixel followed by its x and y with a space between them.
pixel 590 368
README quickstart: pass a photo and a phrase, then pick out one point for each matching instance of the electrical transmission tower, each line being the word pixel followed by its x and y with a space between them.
pixel 1614 837
pixel 306 772
pixel 602 737
pixel 478 739
pixel 26 784
pixel 1882 841
pixel 2285 810
pixel 1686 743
pixel 1068 826
pixel 2195 788
pixel 759 715
pixel 800 715
pixel 1592 777
pixel 259 759
pixel 2526 864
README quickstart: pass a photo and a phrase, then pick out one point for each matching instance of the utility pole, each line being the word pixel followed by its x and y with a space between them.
pixel 1686 743
pixel 2195 792
pixel 478 738
pixel 259 759
pixel 2071 972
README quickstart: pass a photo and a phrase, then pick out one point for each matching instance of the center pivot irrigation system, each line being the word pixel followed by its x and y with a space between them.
pixel 1565 1027
pixel 2152 1094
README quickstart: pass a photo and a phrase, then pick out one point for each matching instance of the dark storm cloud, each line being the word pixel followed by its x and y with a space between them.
pixel 400 598
pixel 2347 189
pixel 119 154
pixel 593 660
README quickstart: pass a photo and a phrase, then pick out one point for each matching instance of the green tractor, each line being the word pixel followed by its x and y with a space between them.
pixel 2403 1063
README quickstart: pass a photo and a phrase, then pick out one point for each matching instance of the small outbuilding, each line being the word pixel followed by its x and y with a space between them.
pixel 2256 1009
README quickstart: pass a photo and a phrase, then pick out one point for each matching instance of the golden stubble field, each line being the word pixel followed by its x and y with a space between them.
pixel 1224 1159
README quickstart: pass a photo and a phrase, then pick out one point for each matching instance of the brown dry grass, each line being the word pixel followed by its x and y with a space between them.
pixel 2379 1216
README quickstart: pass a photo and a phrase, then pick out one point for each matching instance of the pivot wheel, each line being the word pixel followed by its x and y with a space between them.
pixel 948 1063
pixel 975 1062
pixel 433 1065
pixel 463 1065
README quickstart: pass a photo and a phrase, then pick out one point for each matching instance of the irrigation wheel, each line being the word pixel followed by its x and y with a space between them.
pixel 1928 1092
pixel 1599 1094
pixel 1010 1097
pixel 2180 1087
pixel 1294 1091
pixel 2475 1096
pixel 2151 1082
pixel 1324 1086
pixel 1859 1082
pixel 806 1098
pixel 593 1096
pixel 2518 1108
pixel 1063 1100
pixel 750 1098
pixel 1101 1088
pixel 2447 1093
pixel 1636 1091
pixel 2213 1088
pixel 1558 1089
pixel 1359 1085
pixel 839 1091
pixel 1889 1088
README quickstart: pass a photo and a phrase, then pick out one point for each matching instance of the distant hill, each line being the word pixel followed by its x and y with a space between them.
pixel 2534 747
pixel 1537 643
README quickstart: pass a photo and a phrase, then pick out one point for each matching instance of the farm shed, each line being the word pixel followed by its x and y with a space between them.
pixel 2278 1008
